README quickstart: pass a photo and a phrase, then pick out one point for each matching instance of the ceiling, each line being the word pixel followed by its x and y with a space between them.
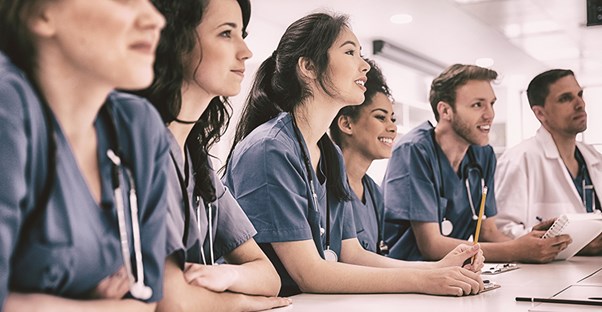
pixel 523 37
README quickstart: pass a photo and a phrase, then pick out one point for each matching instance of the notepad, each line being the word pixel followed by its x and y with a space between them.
pixel 582 227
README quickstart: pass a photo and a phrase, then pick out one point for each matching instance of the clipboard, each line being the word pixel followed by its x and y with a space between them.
pixel 497 268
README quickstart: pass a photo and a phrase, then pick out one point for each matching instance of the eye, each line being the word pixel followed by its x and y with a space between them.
pixel 477 104
pixel 226 34
pixel 393 119
pixel 565 98
pixel 381 117
pixel 350 52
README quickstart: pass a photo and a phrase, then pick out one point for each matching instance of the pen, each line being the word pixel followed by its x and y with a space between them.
pixel 480 219
pixel 553 300
pixel 538 218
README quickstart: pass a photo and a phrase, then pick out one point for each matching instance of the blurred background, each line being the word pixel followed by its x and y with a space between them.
pixel 414 40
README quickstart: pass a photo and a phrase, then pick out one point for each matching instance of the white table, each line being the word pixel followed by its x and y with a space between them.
pixel 530 280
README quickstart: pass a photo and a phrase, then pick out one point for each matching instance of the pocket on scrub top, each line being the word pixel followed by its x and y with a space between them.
pixel 42 267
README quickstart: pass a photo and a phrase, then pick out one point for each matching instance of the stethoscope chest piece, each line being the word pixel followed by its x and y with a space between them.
pixel 330 255
pixel 446 227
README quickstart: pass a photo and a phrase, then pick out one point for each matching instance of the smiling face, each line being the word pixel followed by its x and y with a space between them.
pixel 373 131
pixel 221 50
pixel 563 112
pixel 105 41
pixel 473 112
pixel 347 70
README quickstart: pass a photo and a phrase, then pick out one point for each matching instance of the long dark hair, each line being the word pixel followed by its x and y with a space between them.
pixel 178 40
pixel 278 86
pixel 376 84
pixel 15 38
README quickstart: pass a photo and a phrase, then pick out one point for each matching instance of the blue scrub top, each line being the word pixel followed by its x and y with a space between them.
pixel 230 227
pixel 412 190
pixel 74 244
pixel 367 222
pixel 269 179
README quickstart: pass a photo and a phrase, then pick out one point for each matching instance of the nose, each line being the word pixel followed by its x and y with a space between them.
pixel 244 53
pixel 580 104
pixel 150 17
pixel 489 112
pixel 392 127
pixel 364 67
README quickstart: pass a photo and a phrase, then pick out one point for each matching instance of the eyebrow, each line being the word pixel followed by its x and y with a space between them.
pixel 382 110
pixel 348 42
pixel 233 25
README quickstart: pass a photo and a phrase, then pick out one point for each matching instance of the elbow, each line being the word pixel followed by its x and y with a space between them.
pixel 273 286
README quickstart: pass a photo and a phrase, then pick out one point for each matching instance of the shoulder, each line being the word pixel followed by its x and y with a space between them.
pixel 525 148
pixel 276 136
pixel 136 113
pixel 15 89
pixel 417 138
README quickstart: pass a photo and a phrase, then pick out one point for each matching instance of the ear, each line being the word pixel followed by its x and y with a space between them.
pixel 307 68
pixel 41 20
pixel 539 112
pixel 344 123
pixel 444 110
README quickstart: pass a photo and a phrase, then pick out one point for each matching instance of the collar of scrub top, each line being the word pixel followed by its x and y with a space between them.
pixel 137 287
pixel 183 181
pixel 472 165
pixel 329 254
pixel 381 247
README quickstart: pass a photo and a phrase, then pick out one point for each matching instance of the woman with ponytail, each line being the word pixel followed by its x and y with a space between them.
pixel 289 177
pixel 200 62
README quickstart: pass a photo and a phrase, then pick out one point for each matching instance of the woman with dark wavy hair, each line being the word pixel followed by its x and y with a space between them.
pixel 289 177
pixel 200 62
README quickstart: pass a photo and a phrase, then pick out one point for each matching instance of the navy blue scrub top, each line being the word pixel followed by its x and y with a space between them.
pixel 74 244
pixel 367 222
pixel 412 191
pixel 269 179
pixel 231 227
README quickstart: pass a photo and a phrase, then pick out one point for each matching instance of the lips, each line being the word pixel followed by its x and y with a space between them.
pixel 387 141
pixel 485 128
pixel 361 82
pixel 239 72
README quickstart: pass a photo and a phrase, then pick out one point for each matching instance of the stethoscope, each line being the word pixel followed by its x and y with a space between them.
pixel 381 247
pixel 329 254
pixel 183 183
pixel 446 225
pixel 585 186
pixel 137 287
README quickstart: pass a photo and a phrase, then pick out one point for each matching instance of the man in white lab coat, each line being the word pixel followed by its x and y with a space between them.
pixel 551 173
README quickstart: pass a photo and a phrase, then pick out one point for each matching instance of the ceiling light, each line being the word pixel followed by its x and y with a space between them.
pixel 406 57
pixel 401 19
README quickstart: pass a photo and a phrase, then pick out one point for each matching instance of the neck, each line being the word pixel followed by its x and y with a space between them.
pixel 566 145
pixel 74 99
pixel 451 144
pixel 356 165
pixel 194 103
pixel 313 119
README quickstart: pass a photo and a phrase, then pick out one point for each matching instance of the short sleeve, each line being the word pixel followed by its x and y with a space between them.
pixel 491 162
pixel 233 226
pixel 410 192
pixel 267 180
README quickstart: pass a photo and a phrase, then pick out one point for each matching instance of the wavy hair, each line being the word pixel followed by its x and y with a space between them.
pixel 178 40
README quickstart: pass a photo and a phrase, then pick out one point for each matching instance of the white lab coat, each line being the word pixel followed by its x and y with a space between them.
pixel 532 181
